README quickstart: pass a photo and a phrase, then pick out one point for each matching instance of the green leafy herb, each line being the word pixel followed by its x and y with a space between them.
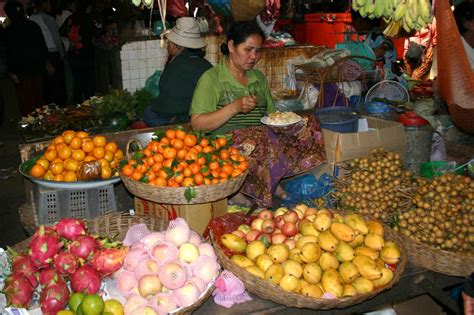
pixel 189 193
pixel 144 179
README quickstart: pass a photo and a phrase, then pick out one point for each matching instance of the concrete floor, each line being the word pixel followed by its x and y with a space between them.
pixel 12 192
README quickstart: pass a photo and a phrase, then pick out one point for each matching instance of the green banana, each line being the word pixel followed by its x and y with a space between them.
pixel 379 8
pixel 424 9
pixel 362 12
pixel 400 11
pixel 370 7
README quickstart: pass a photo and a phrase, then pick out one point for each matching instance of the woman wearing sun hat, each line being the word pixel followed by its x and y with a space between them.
pixel 179 78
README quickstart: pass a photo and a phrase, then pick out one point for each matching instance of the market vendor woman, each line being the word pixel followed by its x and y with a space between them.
pixel 233 97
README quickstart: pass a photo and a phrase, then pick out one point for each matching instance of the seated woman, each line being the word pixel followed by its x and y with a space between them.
pixel 233 97
pixel 180 75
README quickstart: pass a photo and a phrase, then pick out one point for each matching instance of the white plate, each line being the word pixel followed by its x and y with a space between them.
pixel 265 121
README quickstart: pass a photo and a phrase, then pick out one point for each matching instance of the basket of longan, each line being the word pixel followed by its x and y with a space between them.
pixel 180 167
pixel 438 230
pixel 75 160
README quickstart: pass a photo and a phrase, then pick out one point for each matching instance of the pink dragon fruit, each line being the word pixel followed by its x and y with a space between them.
pixel 85 280
pixel 44 247
pixel 18 291
pixel 108 261
pixel 65 262
pixel 44 230
pixel 54 298
pixel 70 228
pixel 84 247
pixel 23 265
pixel 49 276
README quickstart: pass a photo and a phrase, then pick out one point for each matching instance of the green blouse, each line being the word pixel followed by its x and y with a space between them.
pixel 217 87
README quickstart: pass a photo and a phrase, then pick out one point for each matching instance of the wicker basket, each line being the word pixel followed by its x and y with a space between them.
pixel 276 294
pixel 175 195
pixel 438 260
pixel 116 225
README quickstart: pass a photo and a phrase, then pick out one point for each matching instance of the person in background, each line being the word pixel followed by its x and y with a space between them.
pixel 54 89
pixel 233 97
pixel 27 57
pixel 181 73
pixel 420 53
pixel 79 29
pixel 464 16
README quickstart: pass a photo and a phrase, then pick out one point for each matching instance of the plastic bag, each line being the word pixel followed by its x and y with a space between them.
pixel 438 148
pixel 290 105
pixel 307 187
pixel 152 84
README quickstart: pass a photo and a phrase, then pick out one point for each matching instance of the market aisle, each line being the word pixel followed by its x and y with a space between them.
pixel 12 192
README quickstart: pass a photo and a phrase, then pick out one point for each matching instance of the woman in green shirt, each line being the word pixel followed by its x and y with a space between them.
pixel 233 97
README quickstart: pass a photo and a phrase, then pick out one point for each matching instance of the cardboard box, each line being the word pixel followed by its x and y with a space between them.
pixel 197 215
pixel 341 147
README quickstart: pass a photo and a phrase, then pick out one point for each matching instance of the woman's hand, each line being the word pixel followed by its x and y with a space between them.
pixel 246 104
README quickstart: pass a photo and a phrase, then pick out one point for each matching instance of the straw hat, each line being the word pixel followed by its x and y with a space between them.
pixel 186 33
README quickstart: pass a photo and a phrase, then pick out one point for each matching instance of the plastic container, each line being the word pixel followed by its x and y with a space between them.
pixel 437 168
pixel 55 204
pixel 419 135
pixel 380 110
pixel 338 119
pixel 326 29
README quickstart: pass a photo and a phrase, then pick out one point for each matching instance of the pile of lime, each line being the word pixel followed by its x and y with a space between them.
pixel 91 304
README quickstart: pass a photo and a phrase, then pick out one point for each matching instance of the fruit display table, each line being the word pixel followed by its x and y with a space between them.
pixel 414 282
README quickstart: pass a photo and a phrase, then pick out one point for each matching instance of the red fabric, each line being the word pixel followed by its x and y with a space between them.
pixel 456 79
pixel 176 8
pixel 29 92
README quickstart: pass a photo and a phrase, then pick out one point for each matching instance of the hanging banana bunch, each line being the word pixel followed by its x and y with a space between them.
pixel 407 14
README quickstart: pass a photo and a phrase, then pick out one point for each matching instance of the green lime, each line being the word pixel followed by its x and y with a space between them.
pixel 79 312
pixel 75 300
pixel 65 312
pixel 113 307
pixel 92 305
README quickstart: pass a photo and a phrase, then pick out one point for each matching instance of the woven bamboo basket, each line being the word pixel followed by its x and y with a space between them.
pixel 438 260
pixel 116 226
pixel 276 294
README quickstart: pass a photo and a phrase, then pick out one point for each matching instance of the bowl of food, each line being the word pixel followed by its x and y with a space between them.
pixel 281 119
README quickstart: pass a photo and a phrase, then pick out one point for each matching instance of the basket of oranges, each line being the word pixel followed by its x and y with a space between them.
pixel 180 167
pixel 74 160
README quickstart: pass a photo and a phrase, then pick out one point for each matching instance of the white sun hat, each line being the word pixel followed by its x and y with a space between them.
pixel 186 33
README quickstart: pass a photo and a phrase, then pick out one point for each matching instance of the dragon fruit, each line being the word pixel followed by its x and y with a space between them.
pixel 108 261
pixel 70 228
pixel 44 230
pixel 54 298
pixel 65 262
pixel 44 247
pixel 85 280
pixel 23 265
pixel 84 247
pixel 49 276
pixel 18 290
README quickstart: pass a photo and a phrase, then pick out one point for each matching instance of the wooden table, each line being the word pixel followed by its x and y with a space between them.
pixel 414 282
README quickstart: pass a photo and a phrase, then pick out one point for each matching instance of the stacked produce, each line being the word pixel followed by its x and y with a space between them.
pixel 75 156
pixel 376 185
pixel 316 253
pixel 166 271
pixel 407 14
pixel 443 214
pixel 176 158
pixel 57 254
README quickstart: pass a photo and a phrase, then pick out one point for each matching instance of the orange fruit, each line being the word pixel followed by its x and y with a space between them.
pixel 236 172
pixel 234 157
pixel 65 153
pixel 169 153
pixel 172 183
pixel 111 146
pixel 105 172
pixel 214 165
pixel 82 134
pixel 204 142
pixel 179 178
pixel 156 167
pixel 57 160
pixel 58 178
pixel 119 154
pixel 207 181
pixel 89 158
pixel 71 165
pixel 205 170
pixel 147 152
pixel 99 141
pixel 222 142
pixel 198 179
pixel 43 162
pixel 109 155
pixel 191 156
pixel 170 134
pixel 224 155
pixel 234 150
pixel 178 144
pixel 87 146
pixel 244 165
pixel 58 140
pixel 160 182
pixel 68 136
pixel 215 181
pixel 180 134
pixel 37 171
pixel 103 163
pixel 149 161
pixel 201 160
pixel 98 152
pixel 165 141
pixel 181 154
pixel 60 145
pixel 162 174
pixel 207 149
pixel 188 181
pixel 127 170
pixel 151 176
pixel 114 164
pixel 137 175
pixel 78 155
pixel 158 158
pixel 49 176
pixel 195 168
pixel 70 176
pixel 57 168
pixel 227 168
pixel 223 175
pixel 75 143
pixel 190 140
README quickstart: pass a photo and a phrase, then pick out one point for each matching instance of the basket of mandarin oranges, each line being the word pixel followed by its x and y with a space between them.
pixel 180 167
pixel 75 160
